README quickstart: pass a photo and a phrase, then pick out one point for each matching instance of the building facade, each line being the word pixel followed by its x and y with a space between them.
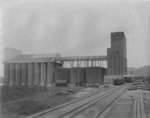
pixel 117 55
pixel 33 70
pixel 30 72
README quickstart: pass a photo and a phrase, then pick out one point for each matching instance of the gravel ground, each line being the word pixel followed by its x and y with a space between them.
pixel 39 100
pixel 35 102
pixel 123 108
pixel 146 99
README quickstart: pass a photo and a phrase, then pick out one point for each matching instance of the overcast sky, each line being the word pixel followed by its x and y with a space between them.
pixel 77 27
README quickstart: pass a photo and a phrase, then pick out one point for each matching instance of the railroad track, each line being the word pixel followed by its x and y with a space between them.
pixel 105 102
pixel 139 111
pixel 76 108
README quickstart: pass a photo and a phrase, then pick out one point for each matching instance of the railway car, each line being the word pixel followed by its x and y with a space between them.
pixel 61 77
pixel 61 82
pixel 118 81
pixel 128 79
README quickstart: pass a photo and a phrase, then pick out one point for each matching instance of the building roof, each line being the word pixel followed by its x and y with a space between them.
pixel 31 58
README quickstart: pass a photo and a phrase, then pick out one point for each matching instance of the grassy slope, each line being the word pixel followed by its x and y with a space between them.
pixel 30 100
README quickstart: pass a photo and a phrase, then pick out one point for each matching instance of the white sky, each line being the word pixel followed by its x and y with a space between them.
pixel 1 45
pixel 77 28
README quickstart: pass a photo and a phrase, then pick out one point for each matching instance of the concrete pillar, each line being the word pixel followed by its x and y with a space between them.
pixel 46 72
pixel 12 74
pixel 17 74
pixel 39 82
pixel 75 63
pixel 36 74
pixel 92 63
pixel 95 62
pixel 101 76
pixel 81 63
pixel 78 78
pixel 100 63
pixel 72 80
pixel 26 69
pixel 50 73
pixel 71 63
pixel 24 74
pixel 30 74
pixel 78 63
pixel 6 74
pixel 20 72
pixel 87 63
pixel 43 74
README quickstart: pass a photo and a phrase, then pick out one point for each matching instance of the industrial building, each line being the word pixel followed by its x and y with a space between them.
pixel 117 55
pixel 48 72
pixel 30 70
pixel 80 76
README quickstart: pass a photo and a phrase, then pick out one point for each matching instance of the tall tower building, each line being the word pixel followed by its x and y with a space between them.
pixel 117 55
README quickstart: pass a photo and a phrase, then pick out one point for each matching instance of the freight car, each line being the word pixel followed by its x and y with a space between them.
pixel 118 81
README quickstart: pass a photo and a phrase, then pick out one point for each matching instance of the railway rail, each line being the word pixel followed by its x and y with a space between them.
pixel 76 108
pixel 139 106
pixel 146 100
pixel 100 105
pixel 104 101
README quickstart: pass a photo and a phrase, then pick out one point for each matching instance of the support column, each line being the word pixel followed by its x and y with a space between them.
pixel 87 63
pixel 23 74
pixel 20 73
pixel 30 74
pixel 46 74
pixel 26 74
pixel 78 63
pixel 50 73
pixel 98 63
pixel 43 73
pixel 92 63
pixel 12 74
pixel 39 81
pixel 84 63
pixel 17 74
pixel 81 63
pixel 36 74
pixel 71 64
pixel 6 74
